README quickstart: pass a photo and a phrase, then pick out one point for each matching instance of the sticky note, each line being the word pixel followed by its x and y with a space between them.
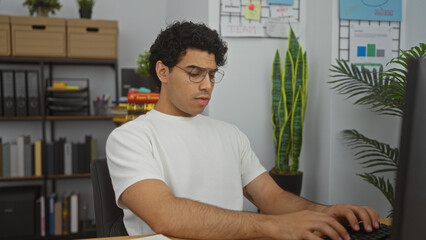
pixel 253 14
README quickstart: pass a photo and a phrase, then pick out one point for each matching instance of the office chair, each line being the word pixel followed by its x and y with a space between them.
pixel 109 217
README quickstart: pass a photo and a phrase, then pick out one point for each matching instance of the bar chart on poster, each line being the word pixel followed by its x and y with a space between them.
pixel 369 31
pixel 259 18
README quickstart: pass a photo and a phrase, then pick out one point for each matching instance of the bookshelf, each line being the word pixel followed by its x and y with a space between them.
pixel 47 125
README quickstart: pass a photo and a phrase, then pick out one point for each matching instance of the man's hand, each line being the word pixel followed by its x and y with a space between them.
pixel 351 214
pixel 303 224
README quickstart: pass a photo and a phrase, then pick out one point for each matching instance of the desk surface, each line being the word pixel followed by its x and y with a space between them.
pixel 387 221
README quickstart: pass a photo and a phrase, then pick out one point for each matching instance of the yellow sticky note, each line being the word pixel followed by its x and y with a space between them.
pixel 252 11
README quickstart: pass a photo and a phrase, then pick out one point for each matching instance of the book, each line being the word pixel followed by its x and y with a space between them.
pixel 59 156
pixel 21 93
pixel 74 203
pixel 50 158
pixel 8 93
pixel 138 97
pixel 38 158
pixel 33 93
pixel 42 216
pixel 58 218
pixel 24 155
pixel 14 172
pixel 66 215
pixel 74 156
pixel 6 159
pixel 51 204
pixel 68 158
pixel 139 108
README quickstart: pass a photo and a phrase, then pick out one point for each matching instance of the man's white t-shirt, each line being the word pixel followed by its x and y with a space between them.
pixel 199 158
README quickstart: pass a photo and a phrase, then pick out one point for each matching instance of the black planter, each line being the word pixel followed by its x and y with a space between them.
pixel 290 183
pixel 85 13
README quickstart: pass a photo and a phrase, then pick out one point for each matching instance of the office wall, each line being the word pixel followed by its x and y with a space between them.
pixel 243 98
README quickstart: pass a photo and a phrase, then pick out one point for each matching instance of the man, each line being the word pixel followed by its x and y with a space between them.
pixel 183 174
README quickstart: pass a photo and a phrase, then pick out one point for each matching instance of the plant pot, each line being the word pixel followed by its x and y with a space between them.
pixel 290 183
pixel 42 12
pixel 85 13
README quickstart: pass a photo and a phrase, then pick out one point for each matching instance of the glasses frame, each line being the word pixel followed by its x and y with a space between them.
pixel 212 80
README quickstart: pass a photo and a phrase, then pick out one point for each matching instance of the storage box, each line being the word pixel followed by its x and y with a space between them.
pixel 19 212
pixel 38 36
pixel 92 38
pixel 4 35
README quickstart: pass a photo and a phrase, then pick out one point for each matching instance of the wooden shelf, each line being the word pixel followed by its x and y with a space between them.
pixel 62 176
pixel 21 178
pixel 65 61
pixel 56 118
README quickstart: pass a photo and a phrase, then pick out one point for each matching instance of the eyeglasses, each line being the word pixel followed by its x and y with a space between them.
pixel 197 74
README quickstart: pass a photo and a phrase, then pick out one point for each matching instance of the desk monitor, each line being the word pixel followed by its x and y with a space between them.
pixel 410 200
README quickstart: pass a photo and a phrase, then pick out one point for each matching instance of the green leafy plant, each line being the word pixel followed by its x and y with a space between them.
pixel 42 7
pixel 383 92
pixel 143 64
pixel 289 94
pixel 86 4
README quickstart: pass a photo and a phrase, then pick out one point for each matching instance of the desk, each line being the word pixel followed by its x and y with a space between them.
pixel 387 221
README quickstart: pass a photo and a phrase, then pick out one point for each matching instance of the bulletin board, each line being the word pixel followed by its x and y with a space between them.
pixel 369 43
pixel 272 21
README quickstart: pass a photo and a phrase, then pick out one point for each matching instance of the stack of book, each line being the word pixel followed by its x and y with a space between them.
pixel 24 158
pixel 21 158
pixel 138 103
pixel 63 216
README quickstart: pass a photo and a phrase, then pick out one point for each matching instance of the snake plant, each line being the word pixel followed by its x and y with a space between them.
pixel 383 92
pixel 289 85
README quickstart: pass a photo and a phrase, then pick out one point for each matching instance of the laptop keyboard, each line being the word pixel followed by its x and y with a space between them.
pixel 383 233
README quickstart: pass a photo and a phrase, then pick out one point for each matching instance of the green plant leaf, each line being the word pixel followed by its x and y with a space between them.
pixel 296 131
pixel 385 186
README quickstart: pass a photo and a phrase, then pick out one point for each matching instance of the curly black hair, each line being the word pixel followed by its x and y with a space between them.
pixel 172 43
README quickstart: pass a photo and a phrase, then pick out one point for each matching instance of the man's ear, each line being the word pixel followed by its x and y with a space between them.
pixel 162 71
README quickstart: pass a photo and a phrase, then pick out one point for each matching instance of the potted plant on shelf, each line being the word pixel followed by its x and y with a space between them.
pixel 289 94
pixel 42 8
pixel 86 7
pixel 384 92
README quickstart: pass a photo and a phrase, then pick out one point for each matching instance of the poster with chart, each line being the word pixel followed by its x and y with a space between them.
pixel 370 45
pixel 259 18
pixel 370 10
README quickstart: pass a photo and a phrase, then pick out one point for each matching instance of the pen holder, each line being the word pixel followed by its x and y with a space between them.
pixel 100 108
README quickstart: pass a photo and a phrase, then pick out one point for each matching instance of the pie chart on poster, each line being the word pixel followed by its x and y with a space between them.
pixel 374 3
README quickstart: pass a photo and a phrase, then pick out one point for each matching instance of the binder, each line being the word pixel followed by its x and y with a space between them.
pixel 21 93
pixel 8 94
pixel 33 93
pixel 1 94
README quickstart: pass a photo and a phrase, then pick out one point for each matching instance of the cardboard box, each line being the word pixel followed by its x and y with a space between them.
pixel 38 36
pixel 4 35
pixel 92 38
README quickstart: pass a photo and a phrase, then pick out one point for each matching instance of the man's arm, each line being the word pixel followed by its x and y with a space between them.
pixel 152 201
pixel 271 199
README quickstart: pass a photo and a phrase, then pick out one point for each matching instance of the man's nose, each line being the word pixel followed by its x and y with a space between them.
pixel 207 82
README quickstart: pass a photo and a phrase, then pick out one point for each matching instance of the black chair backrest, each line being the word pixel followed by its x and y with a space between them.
pixel 109 217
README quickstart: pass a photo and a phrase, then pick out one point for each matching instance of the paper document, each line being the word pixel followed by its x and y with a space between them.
pixel 153 237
